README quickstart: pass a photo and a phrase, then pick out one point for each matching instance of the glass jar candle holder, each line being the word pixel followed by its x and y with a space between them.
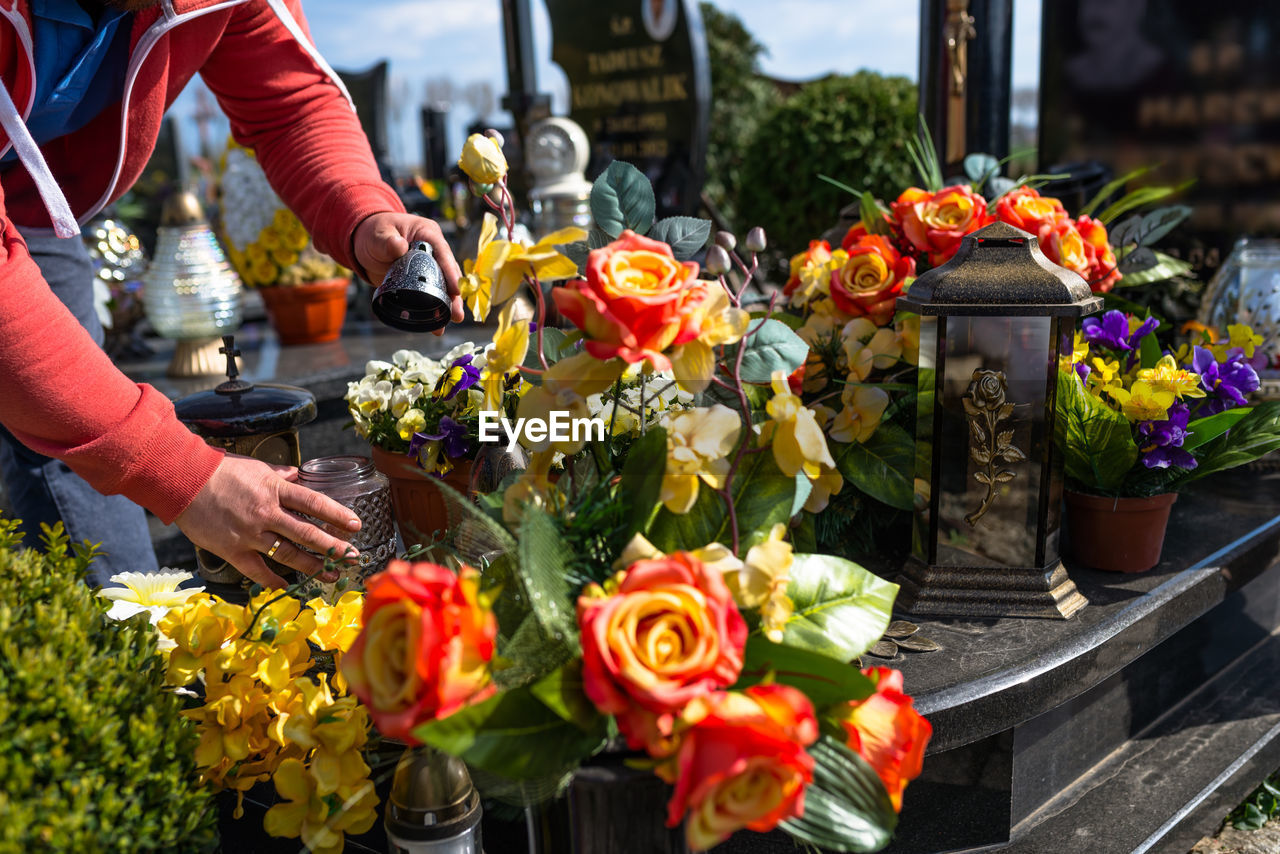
pixel 353 482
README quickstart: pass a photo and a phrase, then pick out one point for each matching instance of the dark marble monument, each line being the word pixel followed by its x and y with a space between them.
pixel 1192 86
pixel 639 85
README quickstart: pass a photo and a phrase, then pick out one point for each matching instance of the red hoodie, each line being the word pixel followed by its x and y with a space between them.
pixel 59 393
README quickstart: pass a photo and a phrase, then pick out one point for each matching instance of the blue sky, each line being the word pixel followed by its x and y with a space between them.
pixel 461 40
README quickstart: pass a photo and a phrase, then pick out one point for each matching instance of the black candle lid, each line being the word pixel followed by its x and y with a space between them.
pixel 241 408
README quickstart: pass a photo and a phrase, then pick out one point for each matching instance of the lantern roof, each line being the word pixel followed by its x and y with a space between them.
pixel 1000 270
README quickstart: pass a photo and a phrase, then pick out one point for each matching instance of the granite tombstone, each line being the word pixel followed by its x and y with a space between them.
pixel 1191 86
pixel 639 85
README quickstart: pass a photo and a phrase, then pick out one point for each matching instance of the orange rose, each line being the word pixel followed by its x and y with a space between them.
pixel 1103 274
pixel 819 252
pixel 934 223
pixel 670 633
pixel 636 301
pixel 742 763
pixel 1026 209
pixel 871 280
pixel 887 732
pixel 425 647
pixel 1081 246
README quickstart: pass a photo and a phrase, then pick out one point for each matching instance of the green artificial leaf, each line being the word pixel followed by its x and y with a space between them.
pixel 686 235
pixel 872 214
pixel 846 808
pixel 770 346
pixel 1096 441
pixel 1256 434
pixel 1149 350
pixel 515 735
pixel 561 691
pixel 544 561
pixel 792 321
pixel 840 609
pixel 1110 188
pixel 1138 198
pixel 883 467
pixel 642 475
pixel 575 252
pixel 804 487
pixel 826 681
pixel 622 198
pixel 763 496
pixel 1165 267
pixel 980 167
pixel 1204 430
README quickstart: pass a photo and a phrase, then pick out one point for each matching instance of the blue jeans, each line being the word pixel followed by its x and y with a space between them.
pixel 41 489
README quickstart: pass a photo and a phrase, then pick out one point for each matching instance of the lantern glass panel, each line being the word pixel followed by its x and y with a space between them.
pixel 992 439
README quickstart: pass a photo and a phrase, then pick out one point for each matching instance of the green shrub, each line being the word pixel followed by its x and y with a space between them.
pixel 94 755
pixel 852 128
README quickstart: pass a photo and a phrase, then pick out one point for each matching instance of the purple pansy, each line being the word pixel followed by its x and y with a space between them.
pixel 452 436
pixel 460 376
pixel 1226 382
pixel 1112 330
pixel 1160 442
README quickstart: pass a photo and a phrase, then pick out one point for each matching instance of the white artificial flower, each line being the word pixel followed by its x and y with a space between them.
pixel 153 593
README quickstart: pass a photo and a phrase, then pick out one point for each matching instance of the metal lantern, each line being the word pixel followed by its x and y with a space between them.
pixel 254 420
pixel 191 293
pixel 993 321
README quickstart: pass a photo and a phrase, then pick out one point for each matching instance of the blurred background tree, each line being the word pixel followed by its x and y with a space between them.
pixel 853 128
pixel 741 97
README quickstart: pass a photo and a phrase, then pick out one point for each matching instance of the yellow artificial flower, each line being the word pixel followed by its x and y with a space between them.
pixel 908 330
pixel 1142 402
pixel 694 363
pixel 510 346
pixel 825 485
pixel 798 442
pixel 320 820
pixel 762 581
pixel 1104 373
pixel 337 627
pixel 868 347
pixel 507 264
pixel 477 289
pixel 864 406
pixel 482 159
pixel 698 444
pixel 565 387
pixel 413 421
pixel 533 486
pixel 1167 376
pixel 1239 336
pixel 284 257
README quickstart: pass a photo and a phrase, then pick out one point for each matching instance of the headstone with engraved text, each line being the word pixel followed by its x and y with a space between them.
pixel 639 86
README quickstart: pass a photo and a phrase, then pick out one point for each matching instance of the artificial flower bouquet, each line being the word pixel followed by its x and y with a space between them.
pixel 863 353
pixel 266 693
pixel 266 242
pixel 653 595
pixel 426 408
pixel 1136 419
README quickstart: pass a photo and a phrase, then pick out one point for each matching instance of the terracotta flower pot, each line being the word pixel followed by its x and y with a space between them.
pixel 416 501
pixel 310 313
pixel 1118 534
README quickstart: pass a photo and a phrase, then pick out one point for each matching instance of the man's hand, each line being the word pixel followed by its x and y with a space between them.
pixel 245 507
pixel 382 238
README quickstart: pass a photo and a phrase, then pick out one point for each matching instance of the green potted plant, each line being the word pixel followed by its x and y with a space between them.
pixel 1136 423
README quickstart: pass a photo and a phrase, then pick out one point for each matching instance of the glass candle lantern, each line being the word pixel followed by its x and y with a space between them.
pixel 993 322
pixel 353 482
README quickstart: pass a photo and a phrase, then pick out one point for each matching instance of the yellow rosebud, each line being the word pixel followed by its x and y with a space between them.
pixel 482 159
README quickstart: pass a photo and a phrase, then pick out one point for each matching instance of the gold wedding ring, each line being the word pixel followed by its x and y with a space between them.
pixel 271 552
